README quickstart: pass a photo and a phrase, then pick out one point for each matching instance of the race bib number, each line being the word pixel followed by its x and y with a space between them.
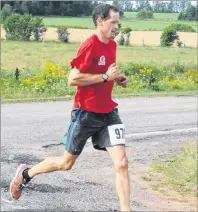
pixel 117 134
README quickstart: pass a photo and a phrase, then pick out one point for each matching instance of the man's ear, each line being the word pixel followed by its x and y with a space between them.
pixel 99 21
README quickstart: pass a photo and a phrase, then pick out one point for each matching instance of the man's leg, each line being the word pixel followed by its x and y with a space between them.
pixel 53 164
pixel 24 174
pixel 120 161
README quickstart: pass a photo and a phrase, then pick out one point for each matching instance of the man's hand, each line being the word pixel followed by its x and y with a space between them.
pixel 122 81
pixel 113 72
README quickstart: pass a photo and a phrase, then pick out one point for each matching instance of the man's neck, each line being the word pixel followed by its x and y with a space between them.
pixel 101 37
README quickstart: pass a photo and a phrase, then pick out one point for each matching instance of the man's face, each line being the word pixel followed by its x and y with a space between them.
pixel 110 27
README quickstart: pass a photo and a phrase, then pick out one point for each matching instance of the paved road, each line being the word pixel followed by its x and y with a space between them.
pixel 32 131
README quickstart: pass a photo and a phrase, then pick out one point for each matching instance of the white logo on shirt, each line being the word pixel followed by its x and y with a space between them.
pixel 101 61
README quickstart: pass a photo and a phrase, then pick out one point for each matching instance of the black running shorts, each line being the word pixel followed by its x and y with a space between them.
pixel 106 130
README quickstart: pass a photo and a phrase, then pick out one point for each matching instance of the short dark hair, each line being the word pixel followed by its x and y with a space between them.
pixel 102 11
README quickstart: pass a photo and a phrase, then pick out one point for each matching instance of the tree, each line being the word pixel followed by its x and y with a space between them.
pixel 37 8
pixel 24 7
pixel 49 8
pixel 6 11
pixel 147 6
pixel 128 6
pixel 190 14
pixel 143 14
pixel 170 7
pixel 140 5
pixel 160 7
pixel 156 5
pixel 63 8
pixel 169 36
pixel 183 5
pixel 16 7
pixel 176 6
pixel 120 6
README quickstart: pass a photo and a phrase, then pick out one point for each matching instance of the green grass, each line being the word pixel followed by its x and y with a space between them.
pixel 35 54
pixel 70 97
pixel 30 57
pixel 157 16
pixel 160 21
pixel 180 173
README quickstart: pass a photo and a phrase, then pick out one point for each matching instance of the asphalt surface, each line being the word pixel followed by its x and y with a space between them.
pixel 30 132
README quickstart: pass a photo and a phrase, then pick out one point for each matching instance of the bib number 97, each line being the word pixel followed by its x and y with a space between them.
pixel 120 132
pixel 117 134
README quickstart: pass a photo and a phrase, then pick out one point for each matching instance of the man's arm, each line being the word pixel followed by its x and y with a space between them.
pixel 76 78
pixel 82 79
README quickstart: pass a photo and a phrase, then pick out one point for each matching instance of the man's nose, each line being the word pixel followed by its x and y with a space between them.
pixel 116 26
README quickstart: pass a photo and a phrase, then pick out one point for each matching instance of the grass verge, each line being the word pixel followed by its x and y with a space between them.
pixel 178 173
pixel 69 97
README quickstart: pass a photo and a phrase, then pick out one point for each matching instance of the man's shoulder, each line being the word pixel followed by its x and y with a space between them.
pixel 89 41
pixel 113 43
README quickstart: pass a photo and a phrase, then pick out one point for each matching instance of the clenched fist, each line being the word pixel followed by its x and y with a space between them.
pixel 122 81
pixel 113 72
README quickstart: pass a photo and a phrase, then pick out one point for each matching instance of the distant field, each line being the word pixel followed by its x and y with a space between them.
pixel 157 16
pixel 35 55
pixel 160 21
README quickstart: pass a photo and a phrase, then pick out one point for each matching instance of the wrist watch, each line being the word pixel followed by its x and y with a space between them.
pixel 105 77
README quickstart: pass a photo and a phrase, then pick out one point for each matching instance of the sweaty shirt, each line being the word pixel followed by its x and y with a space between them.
pixel 95 57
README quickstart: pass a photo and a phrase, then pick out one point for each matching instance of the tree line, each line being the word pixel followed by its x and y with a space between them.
pixel 59 8
pixel 85 8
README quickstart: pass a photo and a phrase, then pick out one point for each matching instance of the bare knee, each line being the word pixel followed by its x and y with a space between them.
pixel 65 166
pixel 121 165
pixel 68 161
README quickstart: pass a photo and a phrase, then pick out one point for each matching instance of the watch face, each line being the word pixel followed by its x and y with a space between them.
pixel 105 77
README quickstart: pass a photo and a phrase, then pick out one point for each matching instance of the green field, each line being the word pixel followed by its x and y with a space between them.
pixel 160 21
pixel 35 55
pixel 157 16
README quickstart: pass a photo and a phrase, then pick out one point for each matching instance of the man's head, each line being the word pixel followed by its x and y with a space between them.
pixel 106 19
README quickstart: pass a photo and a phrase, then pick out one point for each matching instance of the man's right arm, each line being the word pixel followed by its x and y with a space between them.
pixel 76 78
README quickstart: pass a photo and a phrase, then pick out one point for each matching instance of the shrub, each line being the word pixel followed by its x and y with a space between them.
pixel 169 35
pixel 125 36
pixel 192 74
pixel 182 27
pixel 49 75
pixel 121 40
pixel 11 26
pixel 25 27
pixel 38 28
pixel 63 34
pixel 22 27
pixel 144 14
pixel 126 30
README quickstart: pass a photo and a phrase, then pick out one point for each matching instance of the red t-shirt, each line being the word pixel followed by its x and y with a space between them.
pixel 95 57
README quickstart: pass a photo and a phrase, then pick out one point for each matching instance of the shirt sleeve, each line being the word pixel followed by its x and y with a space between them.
pixel 84 58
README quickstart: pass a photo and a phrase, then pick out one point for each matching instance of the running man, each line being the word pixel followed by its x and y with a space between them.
pixel 94 113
